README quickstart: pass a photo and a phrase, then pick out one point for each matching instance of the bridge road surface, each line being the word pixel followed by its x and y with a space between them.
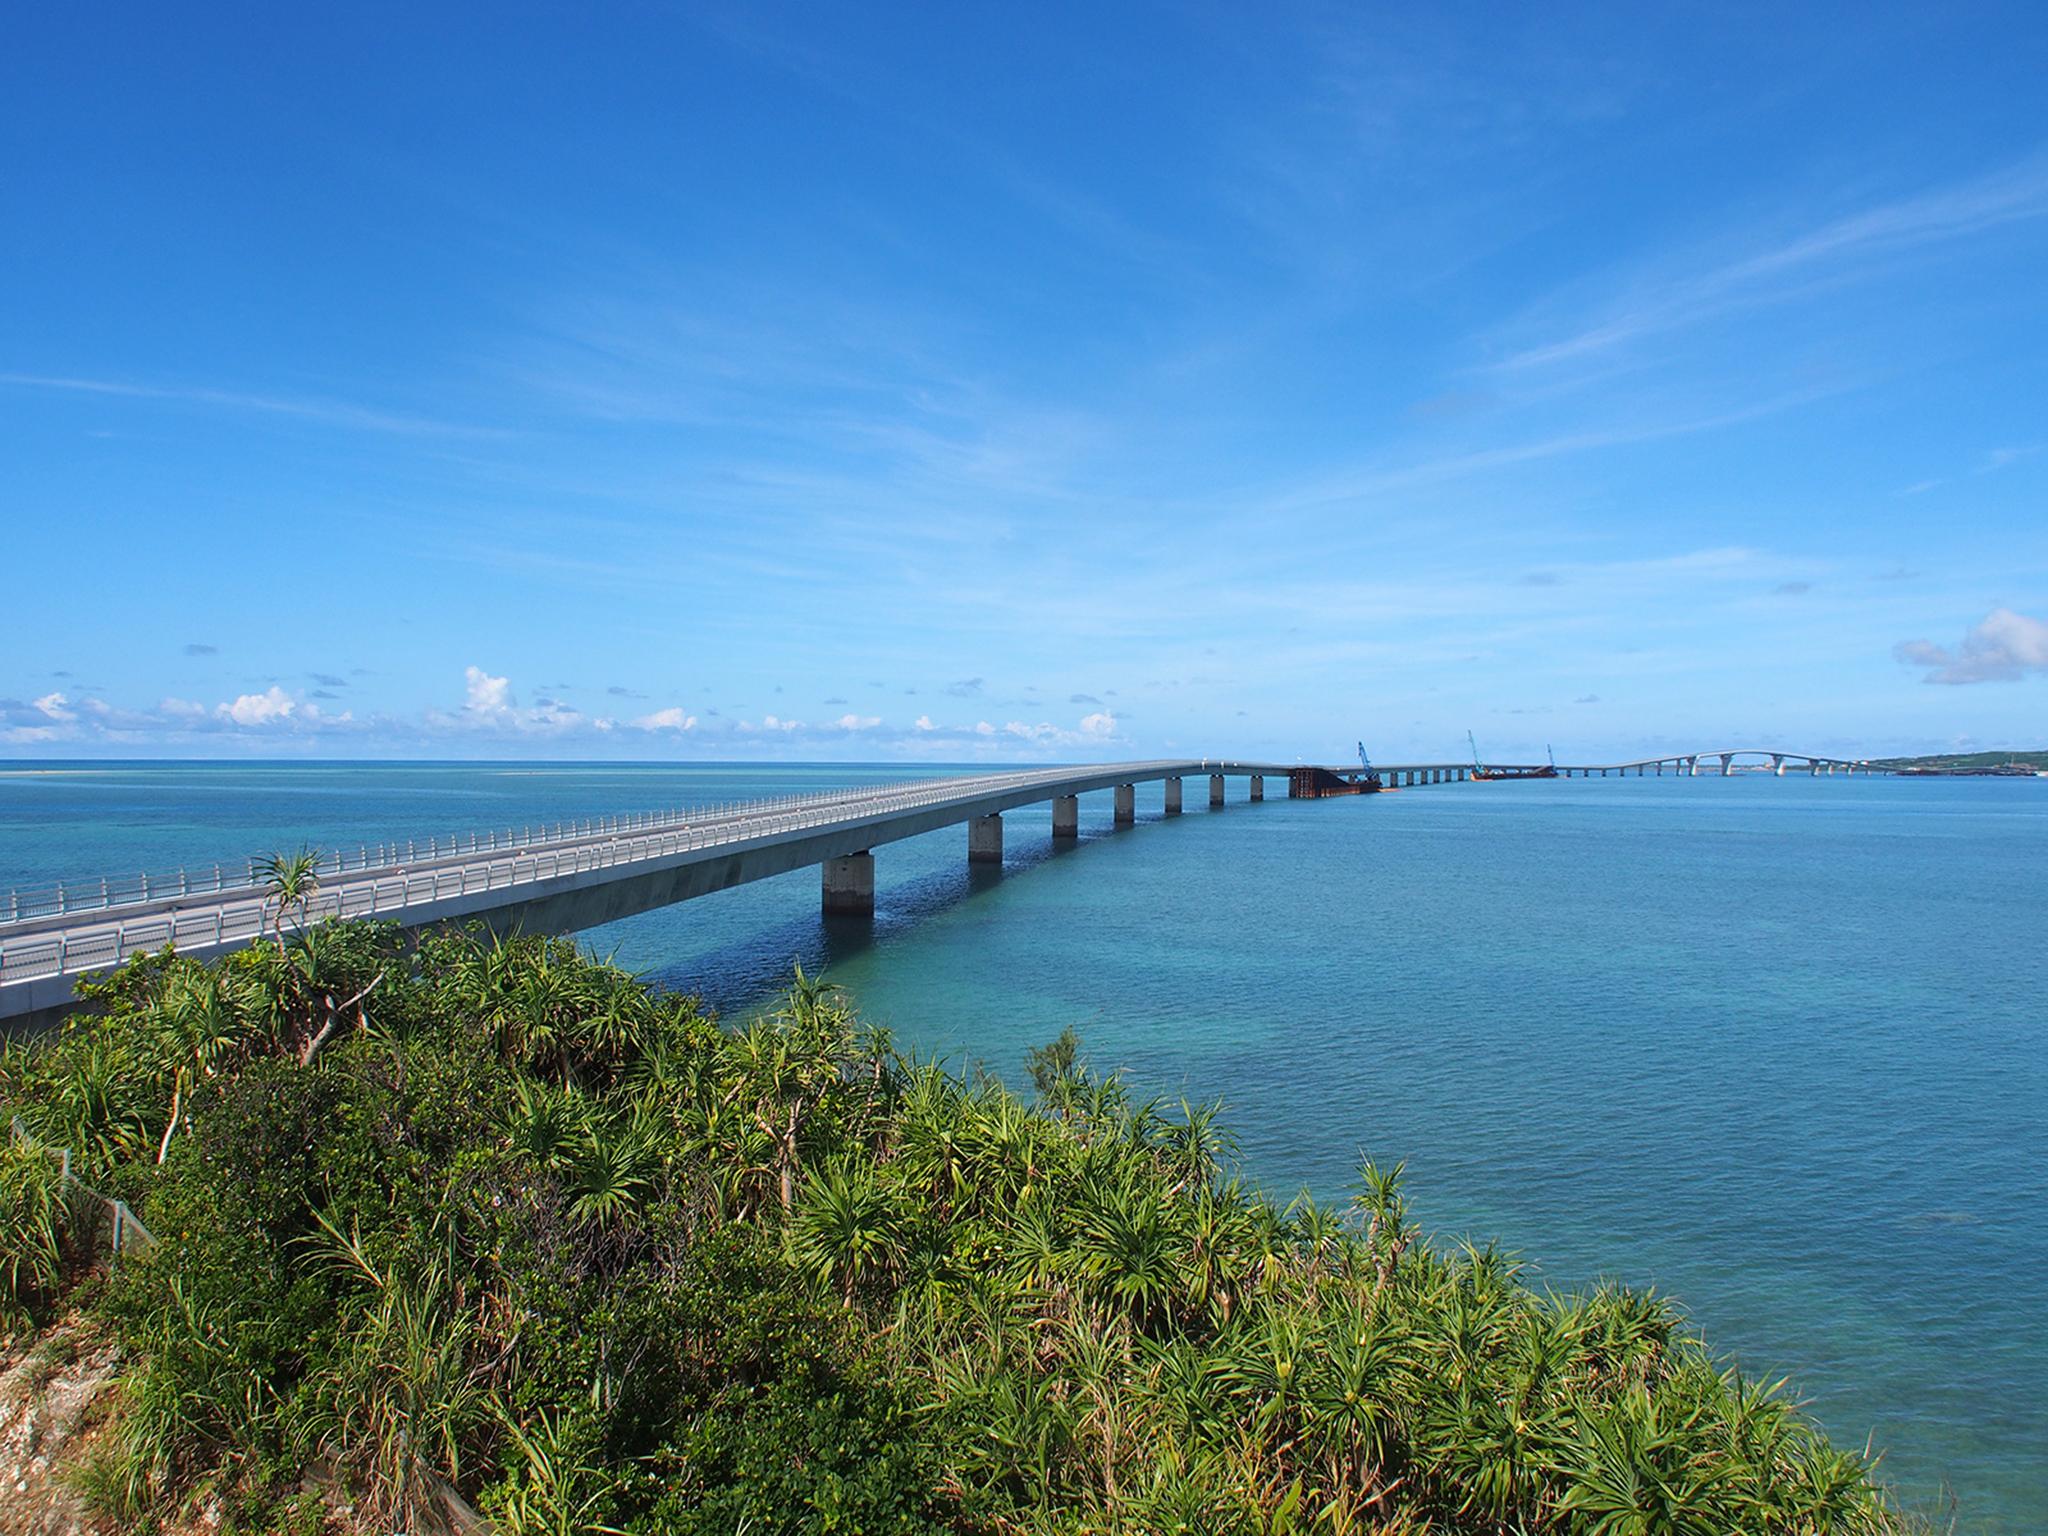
pixel 596 873
pixel 559 885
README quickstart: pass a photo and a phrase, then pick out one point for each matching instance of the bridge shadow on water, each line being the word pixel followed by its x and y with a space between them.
pixel 740 977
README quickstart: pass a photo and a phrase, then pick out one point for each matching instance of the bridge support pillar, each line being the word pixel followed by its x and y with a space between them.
pixel 1215 791
pixel 1726 759
pixel 985 840
pixel 1777 766
pixel 1813 770
pixel 1126 804
pixel 849 885
pixel 1066 817
pixel 1173 797
pixel 1258 791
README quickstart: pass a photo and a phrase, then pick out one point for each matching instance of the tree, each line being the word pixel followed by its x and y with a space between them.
pixel 290 880
pixel 1055 1065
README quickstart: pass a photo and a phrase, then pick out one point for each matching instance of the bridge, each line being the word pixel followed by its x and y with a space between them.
pixel 1687 764
pixel 576 875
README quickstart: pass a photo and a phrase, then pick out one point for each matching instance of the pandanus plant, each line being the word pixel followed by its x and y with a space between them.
pixel 289 882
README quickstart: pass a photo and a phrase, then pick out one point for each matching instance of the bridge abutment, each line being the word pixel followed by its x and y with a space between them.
pixel 985 840
pixel 849 885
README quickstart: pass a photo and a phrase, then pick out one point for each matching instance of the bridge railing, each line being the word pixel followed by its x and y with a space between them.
pixel 103 892
pixel 384 893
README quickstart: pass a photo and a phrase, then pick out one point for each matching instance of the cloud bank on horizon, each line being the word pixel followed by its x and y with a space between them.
pixel 817 388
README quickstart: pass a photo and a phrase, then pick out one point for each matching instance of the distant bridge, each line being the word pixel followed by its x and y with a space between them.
pixel 579 874
pixel 1688 763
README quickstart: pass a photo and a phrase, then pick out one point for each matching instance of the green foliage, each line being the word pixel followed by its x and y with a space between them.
pixel 486 1214
pixel 34 1220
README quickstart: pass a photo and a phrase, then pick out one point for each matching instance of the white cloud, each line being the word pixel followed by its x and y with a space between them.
pixel 670 719
pixel 488 695
pixel 983 728
pixel 1101 723
pixel 52 704
pixel 263 708
pixel 2001 648
pixel 923 723
pixel 858 722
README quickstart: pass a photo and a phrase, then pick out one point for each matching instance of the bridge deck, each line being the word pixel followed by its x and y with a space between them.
pixel 589 872
pixel 561 884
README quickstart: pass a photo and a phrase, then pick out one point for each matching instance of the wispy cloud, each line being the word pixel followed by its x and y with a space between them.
pixel 335 413
pixel 1658 306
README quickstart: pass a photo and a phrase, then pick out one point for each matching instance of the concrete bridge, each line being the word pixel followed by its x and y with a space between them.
pixel 568 877
pixel 1687 764
pixel 577 875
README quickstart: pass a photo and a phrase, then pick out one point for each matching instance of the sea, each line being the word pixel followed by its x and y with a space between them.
pixel 1776 1047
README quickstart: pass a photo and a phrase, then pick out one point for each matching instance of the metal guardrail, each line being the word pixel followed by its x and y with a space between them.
pixel 118 1226
pixel 376 894
pixel 100 893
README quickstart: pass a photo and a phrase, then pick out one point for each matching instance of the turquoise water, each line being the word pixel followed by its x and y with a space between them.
pixel 1775 1046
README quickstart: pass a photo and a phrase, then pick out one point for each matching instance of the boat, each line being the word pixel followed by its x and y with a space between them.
pixel 1484 775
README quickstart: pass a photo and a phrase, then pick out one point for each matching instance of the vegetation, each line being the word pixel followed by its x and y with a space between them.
pixel 1967 760
pixel 491 1216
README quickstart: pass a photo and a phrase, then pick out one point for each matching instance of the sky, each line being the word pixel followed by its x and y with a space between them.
pixel 975 382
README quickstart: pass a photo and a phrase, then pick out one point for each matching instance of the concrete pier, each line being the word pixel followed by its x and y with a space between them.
pixel 1173 797
pixel 1726 759
pixel 985 840
pixel 1126 804
pixel 1066 817
pixel 1215 791
pixel 849 885
pixel 1258 787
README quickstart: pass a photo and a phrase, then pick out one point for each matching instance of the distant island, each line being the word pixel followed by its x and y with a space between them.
pixel 1982 763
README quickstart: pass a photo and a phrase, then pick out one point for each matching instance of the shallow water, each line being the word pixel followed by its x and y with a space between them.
pixel 1774 1046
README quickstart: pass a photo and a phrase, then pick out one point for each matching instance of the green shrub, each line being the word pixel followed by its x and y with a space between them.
pixel 513 1222
pixel 34 1222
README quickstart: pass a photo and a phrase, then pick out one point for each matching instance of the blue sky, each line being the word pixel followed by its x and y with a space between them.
pixel 1011 382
